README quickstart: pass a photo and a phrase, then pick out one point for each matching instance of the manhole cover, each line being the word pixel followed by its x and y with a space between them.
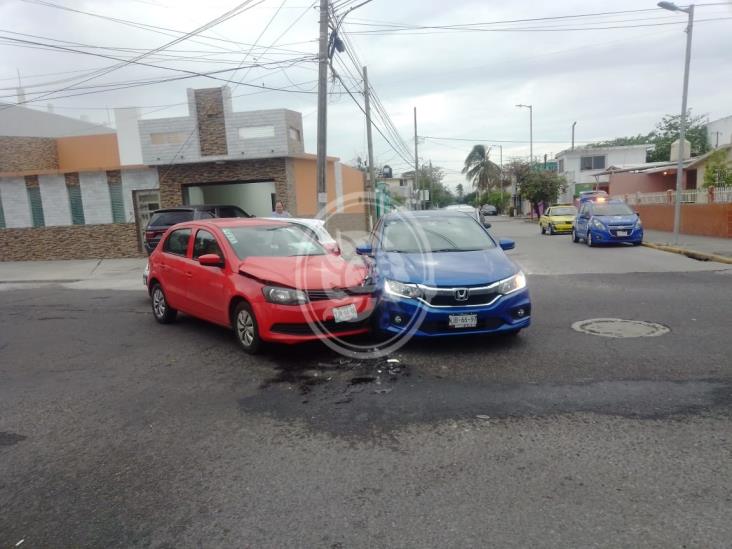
pixel 617 327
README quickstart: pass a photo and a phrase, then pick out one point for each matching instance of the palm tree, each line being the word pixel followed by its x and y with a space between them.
pixel 460 192
pixel 479 169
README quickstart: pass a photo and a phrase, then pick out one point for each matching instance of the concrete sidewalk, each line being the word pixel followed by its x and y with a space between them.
pixel 89 274
pixel 693 244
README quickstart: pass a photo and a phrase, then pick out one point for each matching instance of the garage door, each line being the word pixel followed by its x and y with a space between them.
pixel 256 198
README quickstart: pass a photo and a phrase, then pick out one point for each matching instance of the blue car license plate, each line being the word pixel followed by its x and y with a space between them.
pixel 463 321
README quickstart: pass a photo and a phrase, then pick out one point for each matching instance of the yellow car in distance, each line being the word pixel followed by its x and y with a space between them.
pixel 558 219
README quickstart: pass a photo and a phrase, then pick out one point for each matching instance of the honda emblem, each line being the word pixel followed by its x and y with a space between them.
pixel 461 294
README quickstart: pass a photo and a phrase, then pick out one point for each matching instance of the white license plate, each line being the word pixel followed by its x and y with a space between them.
pixel 345 314
pixel 463 321
pixel 622 233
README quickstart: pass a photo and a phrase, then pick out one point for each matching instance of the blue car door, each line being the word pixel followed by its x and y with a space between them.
pixel 582 220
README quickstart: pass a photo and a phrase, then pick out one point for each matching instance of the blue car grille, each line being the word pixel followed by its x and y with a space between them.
pixel 460 297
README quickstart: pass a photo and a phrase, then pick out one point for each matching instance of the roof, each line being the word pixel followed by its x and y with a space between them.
pixel 301 220
pixel 19 121
pixel 238 221
pixel 645 167
pixel 644 146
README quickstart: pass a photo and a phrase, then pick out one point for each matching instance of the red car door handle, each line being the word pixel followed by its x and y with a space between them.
pixel 189 274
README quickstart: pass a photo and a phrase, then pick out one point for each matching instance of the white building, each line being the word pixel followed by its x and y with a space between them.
pixel 719 132
pixel 582 167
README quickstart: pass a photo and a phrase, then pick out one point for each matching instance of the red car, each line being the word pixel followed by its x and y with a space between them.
pixel 265 279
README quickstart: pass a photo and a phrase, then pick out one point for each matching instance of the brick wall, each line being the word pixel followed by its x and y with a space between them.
pixel 271 169
pixel 18 154
pixel 70 242
pixel 211 122
pixel 698 219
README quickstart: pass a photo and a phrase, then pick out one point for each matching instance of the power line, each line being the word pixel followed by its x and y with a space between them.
pixel 220 19
pixel 407 160
pixel 165 31
pixel 483 140
pixel 402 26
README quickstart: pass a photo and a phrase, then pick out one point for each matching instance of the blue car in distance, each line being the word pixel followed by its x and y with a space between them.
pixel 603 221
pixel 440 273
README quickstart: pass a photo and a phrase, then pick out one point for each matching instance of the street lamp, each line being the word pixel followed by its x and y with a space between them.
pixel 682 122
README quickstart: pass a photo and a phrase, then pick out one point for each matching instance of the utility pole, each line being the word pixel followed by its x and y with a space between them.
pixel 371 187
pixel 432 182
pixel 322 105
pixel 573 125
pixel 531 132
pixel 416 164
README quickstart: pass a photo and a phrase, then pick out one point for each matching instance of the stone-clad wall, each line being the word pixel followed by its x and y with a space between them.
pixel 211 123
pixel 70 242
pixel 173 177
pixel 19 154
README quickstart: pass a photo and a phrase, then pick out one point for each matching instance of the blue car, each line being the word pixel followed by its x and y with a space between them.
pixel 440 273
pixel 601 221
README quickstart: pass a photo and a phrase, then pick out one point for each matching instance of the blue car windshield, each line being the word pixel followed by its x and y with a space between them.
pixel 460 233
pixel 612 209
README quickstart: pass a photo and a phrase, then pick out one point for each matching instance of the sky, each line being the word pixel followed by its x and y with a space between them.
pixel 615 74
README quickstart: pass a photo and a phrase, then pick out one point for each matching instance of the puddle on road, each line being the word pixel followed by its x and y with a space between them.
pixel 340 375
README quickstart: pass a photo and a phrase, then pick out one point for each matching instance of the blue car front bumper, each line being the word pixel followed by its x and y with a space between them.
pixel 605 236
pixel 400 315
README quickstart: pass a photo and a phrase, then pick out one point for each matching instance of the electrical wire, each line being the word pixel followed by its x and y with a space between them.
pixel 240 8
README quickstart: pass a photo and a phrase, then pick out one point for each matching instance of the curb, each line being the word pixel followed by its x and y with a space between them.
pixel 693 254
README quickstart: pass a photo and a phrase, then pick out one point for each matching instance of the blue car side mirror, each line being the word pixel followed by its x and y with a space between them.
pixel 507 244
pixel 364 249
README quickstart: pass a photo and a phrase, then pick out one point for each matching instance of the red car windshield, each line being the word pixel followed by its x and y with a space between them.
pixel 271 241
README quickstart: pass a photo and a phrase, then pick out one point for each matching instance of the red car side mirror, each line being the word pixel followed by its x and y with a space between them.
pixel 211 260
pixel 332 249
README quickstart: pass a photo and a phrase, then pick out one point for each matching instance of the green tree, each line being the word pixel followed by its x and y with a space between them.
pixel 430 177
pixel 480 170
pixel 718 170
pixel 460 192
pixel 499 200
pixel 667 131
pixel 663 135
pixel 542 187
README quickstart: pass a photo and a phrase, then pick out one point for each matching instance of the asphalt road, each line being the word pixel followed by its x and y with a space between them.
pixel 119 432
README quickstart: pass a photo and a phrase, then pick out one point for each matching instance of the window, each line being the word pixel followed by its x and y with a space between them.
pixel 460 233
pixel 166 219
pixel 560 165
pixel 177 242
pixel 295 134
pixel 168 138
pixel 36 206
pixel 592 163
pixel 75 205
pixel 231 211
pixel 256 132
pixel 118 203
pixel 205 243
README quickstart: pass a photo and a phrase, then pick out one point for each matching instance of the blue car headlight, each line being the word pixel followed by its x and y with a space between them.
pixel 638 224
pixel 513 284
pixel 598 225
pixel 410 291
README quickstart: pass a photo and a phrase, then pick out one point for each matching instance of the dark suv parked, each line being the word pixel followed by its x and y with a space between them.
pixel 162 219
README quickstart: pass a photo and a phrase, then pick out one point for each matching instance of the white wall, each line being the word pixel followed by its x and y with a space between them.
pixel 95 197
pixel 55 198
pixel 133 180
pixel 724 126
pixel 128 136
pixel 15 202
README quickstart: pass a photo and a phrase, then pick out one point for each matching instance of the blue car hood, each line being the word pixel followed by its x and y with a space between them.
pixel 617 219
pixel 446 268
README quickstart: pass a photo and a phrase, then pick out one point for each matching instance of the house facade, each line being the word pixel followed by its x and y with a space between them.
pixel 91 196
pixel 584 168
